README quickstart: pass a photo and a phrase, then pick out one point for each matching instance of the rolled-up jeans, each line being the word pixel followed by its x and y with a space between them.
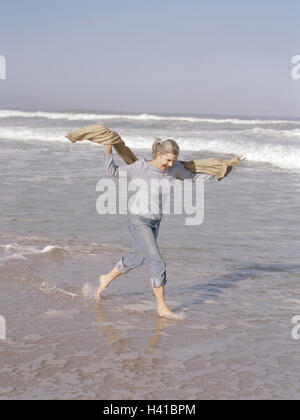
pixel 144 233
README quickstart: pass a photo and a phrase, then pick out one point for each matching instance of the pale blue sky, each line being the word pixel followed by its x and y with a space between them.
pixel 224 57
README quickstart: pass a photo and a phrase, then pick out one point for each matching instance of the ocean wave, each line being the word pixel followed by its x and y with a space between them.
pixel 24 252
pixel 140 141
pixel 280 148
pixel 27 133
pixel 140 117
pixel 272 132
pixel 8 258
pixel 28 250
pixel 279 155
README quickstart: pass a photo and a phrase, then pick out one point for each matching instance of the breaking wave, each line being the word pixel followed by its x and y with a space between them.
pixel 69 116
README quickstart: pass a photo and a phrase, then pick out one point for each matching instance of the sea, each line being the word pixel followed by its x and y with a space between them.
pixel 234 278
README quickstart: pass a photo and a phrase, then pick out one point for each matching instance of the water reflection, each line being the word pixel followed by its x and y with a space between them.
pixel 214 287
pixel 109 325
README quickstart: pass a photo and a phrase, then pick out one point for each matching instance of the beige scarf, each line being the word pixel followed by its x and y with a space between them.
pixel 101 134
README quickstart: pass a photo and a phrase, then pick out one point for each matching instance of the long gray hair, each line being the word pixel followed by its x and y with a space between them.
pixel 166 146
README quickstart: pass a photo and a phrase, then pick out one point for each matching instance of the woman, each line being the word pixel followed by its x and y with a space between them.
pixel 144 227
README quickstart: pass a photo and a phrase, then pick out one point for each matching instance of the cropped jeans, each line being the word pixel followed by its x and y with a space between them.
pixel 144 232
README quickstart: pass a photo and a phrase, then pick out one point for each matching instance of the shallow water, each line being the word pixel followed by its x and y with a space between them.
pixel 234 279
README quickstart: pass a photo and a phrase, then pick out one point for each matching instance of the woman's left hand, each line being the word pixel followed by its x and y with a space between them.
pixel 108 149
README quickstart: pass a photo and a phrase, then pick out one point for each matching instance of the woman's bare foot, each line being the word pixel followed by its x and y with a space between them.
pixel 165 312
pixel 104 281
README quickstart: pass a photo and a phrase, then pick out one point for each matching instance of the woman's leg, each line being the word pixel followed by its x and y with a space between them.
pixel 106 279
pixel 162 308
pixel 132 260
pixel 144 233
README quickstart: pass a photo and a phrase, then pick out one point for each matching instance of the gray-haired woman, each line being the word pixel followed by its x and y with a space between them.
pixel 144 226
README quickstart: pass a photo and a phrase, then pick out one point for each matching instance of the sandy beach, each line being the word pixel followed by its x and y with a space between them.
pixel 234 278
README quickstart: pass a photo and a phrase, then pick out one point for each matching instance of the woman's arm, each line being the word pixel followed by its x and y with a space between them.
pixel 108 149
pixel 183 173
pixel 116 171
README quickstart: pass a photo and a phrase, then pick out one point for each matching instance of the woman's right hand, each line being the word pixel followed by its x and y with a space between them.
pixel 108 149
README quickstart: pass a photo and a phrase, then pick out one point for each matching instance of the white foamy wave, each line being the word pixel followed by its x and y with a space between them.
pixel 262 132
pixel 26 133
pixel 59 133
pixel 14 252
pixel 8 258
pixel 280 155
pixel 54 290
pixel 277 147
pixel 92 117
pixel 89 292
pixel 139 117
pixel 20 252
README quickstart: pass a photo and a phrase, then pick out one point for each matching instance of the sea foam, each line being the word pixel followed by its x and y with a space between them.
pixel 138 117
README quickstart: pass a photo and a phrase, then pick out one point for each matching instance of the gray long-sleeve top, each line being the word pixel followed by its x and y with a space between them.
pixel 145 171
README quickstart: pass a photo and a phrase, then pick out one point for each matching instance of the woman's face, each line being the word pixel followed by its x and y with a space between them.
pixel 166 161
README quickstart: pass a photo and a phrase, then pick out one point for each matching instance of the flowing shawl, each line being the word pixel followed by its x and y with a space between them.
pixel 101 134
